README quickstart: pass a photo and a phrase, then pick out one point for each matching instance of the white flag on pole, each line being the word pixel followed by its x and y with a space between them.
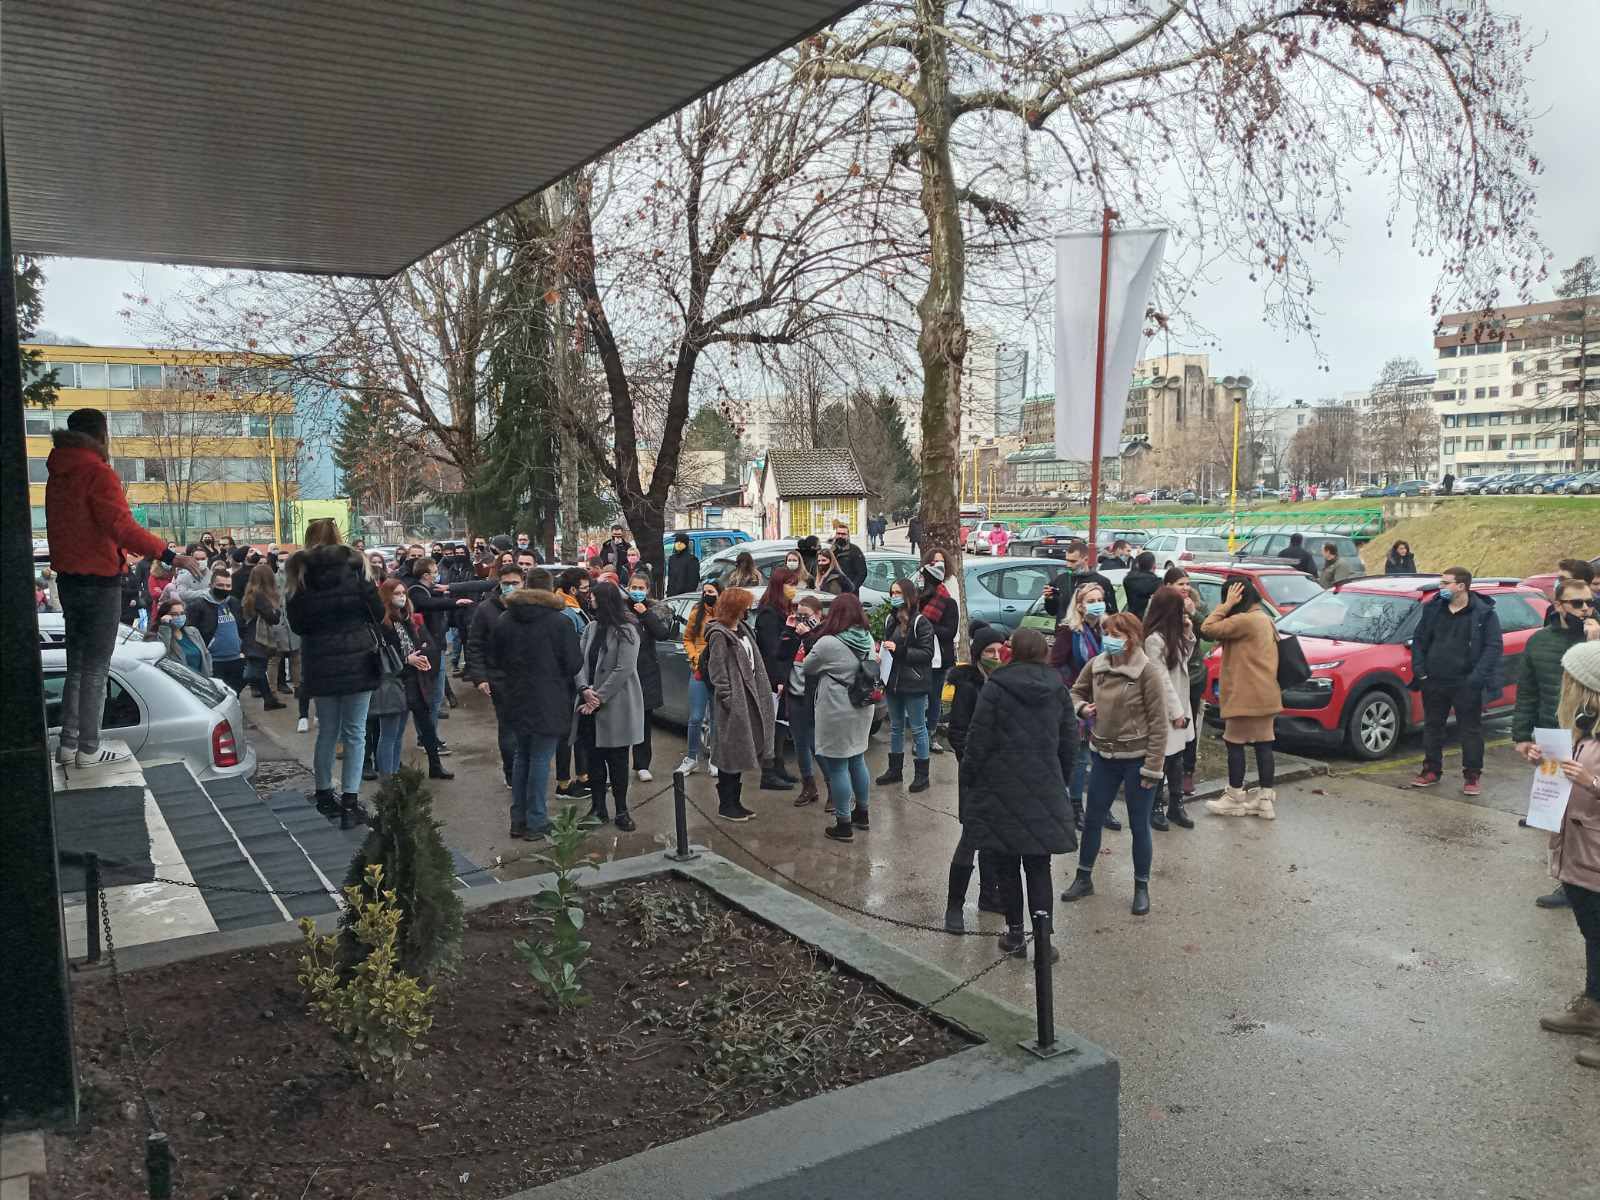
pixel 1135 258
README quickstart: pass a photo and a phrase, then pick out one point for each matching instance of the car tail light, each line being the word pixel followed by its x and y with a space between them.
pixel 1047 541
pixel 224 750
pixel 1185 555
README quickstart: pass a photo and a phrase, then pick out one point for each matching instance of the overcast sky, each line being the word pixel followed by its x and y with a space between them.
pixel 1374 301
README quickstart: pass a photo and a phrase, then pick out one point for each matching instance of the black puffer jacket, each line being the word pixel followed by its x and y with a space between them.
pixel 968 680
pixel 334 607
pixel 533 653
pixel 1019 750
pixel 776 642
pixel 656 621
pixel 683 572
pixel 1138 586
pixel 912 671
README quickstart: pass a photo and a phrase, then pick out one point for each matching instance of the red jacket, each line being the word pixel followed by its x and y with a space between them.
pixel 86 515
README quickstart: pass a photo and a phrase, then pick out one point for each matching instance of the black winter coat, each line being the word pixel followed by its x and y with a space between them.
pixel 1138 586
pixel 1300 558
pixel 334 607
pixel 437 611
pixel 656 622
pixel 1400 564
pixel 683 573
pixel 912 671
pixel 968 681
pixel 418 684
pixel 1019 749
pixel 615 554
pixel 476 666
pixel 852 562
pixel 533 652
pixel 1485 643
pixel 777 642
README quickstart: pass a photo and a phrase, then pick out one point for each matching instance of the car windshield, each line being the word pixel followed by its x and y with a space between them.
pixel 208 691
pixel 1352 616
pixel 1287 591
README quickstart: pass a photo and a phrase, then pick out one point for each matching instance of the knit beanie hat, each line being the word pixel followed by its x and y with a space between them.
pixel 1582 662
pixel 983 636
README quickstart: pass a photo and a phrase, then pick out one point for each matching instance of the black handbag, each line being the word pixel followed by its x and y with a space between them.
pixel 1293 669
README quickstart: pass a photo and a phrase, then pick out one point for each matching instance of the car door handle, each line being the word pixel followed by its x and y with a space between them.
pixel 1009 608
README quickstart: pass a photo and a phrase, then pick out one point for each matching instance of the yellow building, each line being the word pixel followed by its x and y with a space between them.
pixel 201 440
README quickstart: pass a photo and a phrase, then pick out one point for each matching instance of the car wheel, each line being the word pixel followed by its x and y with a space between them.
pixel 1373 726
pixel 1537 489
pixel 1586 489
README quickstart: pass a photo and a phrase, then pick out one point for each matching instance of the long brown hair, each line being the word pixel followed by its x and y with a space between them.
pixel 906 616
pixel 1166 617
pixel 702 612
pixel 386 591
pixel 263 583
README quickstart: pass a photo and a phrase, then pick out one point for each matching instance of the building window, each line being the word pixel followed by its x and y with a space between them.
pixel 1497 443
pixel 150 376
pixel 1474 444
pixel 1494 393
pixel 1542 365
pixel 66 373
pixel 122 376
pixel 1516 389
pixel 1543 442
pixel 155 471
pixel 91 375
pixel 1477 393
pixel 1539 389
pixel 36 424
pixel 1474 419
pixel 1519 442
pixel 37 471
pixel 1496 418
pixel 1518 367
pixel 1450 421
pixel 1447 352
pixel 1449 445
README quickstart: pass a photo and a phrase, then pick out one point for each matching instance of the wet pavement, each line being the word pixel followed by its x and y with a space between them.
pixel 1340 1003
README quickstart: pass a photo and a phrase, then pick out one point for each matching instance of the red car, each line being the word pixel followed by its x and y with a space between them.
pixel 1546 583
pixel 1357 638
pixel 1283 588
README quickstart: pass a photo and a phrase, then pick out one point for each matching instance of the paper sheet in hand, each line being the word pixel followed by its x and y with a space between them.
pixel 885 665
pixel 1547 799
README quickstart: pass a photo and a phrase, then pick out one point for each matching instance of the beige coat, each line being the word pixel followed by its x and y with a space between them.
pixel 1177 681
pixel 1249 681
pixel 1575 847
pixel 1131 718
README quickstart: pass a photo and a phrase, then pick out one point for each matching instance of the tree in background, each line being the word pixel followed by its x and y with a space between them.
pixel 710 429
pixel 869 425
pixel 1284 102
pixel 373 451
pixel 1328 446
pixel 1401 429
pixel 27 273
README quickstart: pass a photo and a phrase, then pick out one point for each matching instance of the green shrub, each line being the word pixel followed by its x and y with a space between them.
pixel 381 1010
pixel 404 840
pixel 554 962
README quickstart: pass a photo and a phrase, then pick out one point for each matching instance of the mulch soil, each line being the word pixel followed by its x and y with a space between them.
pixel 700 1016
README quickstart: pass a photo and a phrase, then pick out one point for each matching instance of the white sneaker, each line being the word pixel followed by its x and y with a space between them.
pixel 65 755
pixel 688 766
pixel 303 725
pixel 645 776
pixel 103 757
pixel 712 768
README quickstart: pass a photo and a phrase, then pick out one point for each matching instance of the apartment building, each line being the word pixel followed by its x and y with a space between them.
pixel 1509 387
pixel 201 440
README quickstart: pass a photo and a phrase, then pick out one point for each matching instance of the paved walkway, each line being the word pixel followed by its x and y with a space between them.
pixel 1341 1003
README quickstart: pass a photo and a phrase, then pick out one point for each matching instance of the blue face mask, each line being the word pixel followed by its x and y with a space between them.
pixel 1446 592
pixel 1095 608
pixel 897 601
pixel 1114 645
pixel 179 621
pixel 637 595
pixel 507 588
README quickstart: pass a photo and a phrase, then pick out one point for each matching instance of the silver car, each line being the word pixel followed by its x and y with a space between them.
pixel 161 709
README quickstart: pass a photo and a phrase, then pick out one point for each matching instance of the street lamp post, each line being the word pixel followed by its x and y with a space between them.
pixel 1233 523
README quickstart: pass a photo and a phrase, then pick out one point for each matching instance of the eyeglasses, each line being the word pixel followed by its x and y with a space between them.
pixel 1579 603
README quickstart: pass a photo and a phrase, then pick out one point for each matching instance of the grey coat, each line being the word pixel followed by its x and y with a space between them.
pixel 619 721
pixel 743 708
pixel 841 729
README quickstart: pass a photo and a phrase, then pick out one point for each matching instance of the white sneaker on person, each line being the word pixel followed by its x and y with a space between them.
pixel 644 775
pixel 103 757
pixel 688 766
pixel 65 755
pixel 712 768
pixel 302 725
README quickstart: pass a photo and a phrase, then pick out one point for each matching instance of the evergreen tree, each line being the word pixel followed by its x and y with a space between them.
pixel 710 429
pixel 39 387
pixel 374 454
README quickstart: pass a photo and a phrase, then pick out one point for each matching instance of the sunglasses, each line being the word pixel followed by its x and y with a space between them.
pixel 1579 603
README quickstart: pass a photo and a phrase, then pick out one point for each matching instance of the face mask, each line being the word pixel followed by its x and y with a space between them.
pixel 179 620
pixel 522 544
pixel 897 601
pixel 935 571
pixel 1446 592
pixel 507 588
pixel 792 565
pixel 789 593
pixel 682 546
pixel 637 595
pixel 1095 608
pixel 398 600
pixel 1114 645
pixel 709 599
pixel 221 593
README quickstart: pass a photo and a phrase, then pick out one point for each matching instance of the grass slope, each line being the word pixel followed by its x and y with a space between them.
pixel 1493 535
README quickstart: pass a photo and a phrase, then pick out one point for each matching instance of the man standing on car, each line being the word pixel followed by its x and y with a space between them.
pixel 1571 621
pixel 848 555
pixel 89 526
pixel 1297 554
pixel 1335 569
pixel 1455 664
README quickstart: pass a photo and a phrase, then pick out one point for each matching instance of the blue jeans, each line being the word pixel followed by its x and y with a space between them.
pixel 530 779
pixel 846 776
pixel 936 698
pixel 1080 770
pixel 453 647
pixel 700 714
pixel 912 708
pixel 802 728
pixel 1108 776
pixel 341 719
pixel 391 733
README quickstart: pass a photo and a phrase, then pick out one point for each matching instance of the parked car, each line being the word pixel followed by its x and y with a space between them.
pixel 1551 483
pixel 978 537
pixel 1043 541
pixel 1190 496
pixel 1267 546
pixel 1105 535
pixel 1356 637
pixel 1586 484
pixel 1143 498
pixel 1472 485
pixel 1508 485
pixel 883 568
pixel 767 554
pixel 161 709
pixel 1545 583
pixel 704 542
pixel 53 631
pixel 1171 549
pixel 1347 494
pixel 1283 588
pixel 1412 487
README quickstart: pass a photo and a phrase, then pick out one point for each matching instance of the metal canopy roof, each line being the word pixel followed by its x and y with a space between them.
pixel 350 137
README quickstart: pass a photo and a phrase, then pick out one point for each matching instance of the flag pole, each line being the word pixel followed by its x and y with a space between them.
pixel 1099 388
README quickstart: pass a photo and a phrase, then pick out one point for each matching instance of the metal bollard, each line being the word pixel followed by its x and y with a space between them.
pixel 91 907
pixel 158 1166
pixel 680 817
pixel 1044 1045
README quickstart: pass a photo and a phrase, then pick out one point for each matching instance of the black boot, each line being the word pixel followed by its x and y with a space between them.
pixel 956 898
pixel 771 781
pixel 841 830
pixel 779 770
pixel 436 768
pixel 1158 820
pixel 352 812
pixel 1111 823
pixel 327 803
pixel 859 818
pixel 919 775
pixel 989 898
pixel 1141 899
pixel 1080 887
pixel 1014 942
pixel 1077 812
pixel 1177 816
pixel 896 772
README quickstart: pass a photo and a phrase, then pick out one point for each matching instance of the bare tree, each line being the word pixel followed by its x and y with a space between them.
pixel 1400 427
pixel 1326 448
pixel 190 440
pixel 1272 106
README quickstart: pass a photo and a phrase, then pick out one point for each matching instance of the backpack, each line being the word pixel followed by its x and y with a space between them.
pixel 1293 669
pixel 864 689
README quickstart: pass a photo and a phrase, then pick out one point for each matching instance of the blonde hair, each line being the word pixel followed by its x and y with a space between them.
pixel 324 531
pixel 263 583
pixel 1074 618
pixel 1575 698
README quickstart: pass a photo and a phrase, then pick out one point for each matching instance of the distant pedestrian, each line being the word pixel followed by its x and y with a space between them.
pixel 936 603
pixel 412 644
pixel 683 569
pixel 1118 556
pixel 914 533
pixel 219 621
pixel 1575 847
pixel 1448 483
pixel 1335 570
pixel 799 697
pixel 261 610
pixel 1251 700
pixel 482 669
pixel 745 573
pixel 829 577
pixel 694 649
pixel 169 625
pixel 1298 555
pixel 1058 593
pixel 741 703
pixel 1195 606
pixel 1123 695
pixel 1400 560
pixel 1018 748
pixel 1455 664
pixel 776 641
pixel 989 653
pixel 848 555
pixel 614 553
pixel 795 563
pixel 611 713
pixel 999 539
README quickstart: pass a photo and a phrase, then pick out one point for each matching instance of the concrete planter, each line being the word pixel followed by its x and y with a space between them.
pixel 989 1118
